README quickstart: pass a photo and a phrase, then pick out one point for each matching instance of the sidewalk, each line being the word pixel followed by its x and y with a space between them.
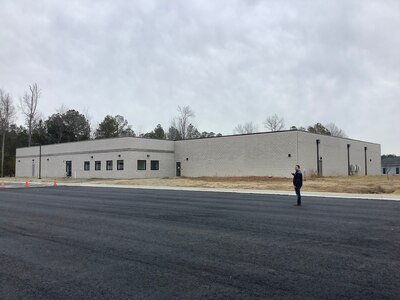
pixel 21 184
pixel 245 191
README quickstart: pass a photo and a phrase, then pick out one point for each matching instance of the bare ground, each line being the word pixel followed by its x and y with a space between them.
pixel 357 185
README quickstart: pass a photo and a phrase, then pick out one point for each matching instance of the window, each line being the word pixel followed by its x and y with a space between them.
pixel 97 165
pixel 384 170
pixel 141 165
pixel 155 165
pixel 109 165
pixel 120 165
pixel 397 170
pixel 86 165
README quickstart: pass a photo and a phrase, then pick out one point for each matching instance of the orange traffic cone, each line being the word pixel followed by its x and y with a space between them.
pixel 55 183
pixel 27 183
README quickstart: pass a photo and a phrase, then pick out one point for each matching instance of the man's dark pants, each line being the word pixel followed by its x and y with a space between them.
pixel 297 189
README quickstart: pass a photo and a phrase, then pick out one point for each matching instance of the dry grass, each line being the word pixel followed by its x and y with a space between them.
pixel 357 185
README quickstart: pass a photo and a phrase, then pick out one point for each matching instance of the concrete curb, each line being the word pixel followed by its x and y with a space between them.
pixel 244 191
pixel 239 191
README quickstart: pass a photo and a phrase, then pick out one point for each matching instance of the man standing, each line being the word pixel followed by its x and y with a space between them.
pixel 297 182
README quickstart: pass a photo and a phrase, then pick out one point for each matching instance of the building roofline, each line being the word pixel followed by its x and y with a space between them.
pixel 338 137
pixel 276 132
pixel 234 135
pixel 390 161
pixel 102 139
pixel 205 138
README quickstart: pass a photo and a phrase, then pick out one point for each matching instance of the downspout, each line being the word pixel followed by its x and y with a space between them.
pixel 366 163
pixel 318 168
pixel 40 161
pixel 348 159
pixel 297 154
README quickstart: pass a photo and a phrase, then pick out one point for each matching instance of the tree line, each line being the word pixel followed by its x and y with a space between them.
pixel 276 123
pixel 70 125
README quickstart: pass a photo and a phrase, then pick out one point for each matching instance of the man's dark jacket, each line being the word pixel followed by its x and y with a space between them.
pixel 298 179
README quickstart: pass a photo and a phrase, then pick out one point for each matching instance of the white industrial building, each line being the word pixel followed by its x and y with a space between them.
pixel 391 165
pixel 260 154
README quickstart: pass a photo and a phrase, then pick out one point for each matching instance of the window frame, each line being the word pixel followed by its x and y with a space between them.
pixel 86 165
pixel 97 165
pixel 120 162
pixel 145 164
pixel 109 165
pixel 157 165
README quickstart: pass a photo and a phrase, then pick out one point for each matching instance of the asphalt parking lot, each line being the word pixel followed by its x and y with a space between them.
pixel 76 242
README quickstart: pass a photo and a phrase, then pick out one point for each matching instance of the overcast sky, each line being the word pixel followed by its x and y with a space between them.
pixel 232 61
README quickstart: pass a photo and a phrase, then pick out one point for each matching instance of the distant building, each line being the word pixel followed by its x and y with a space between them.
pixel 391 165
pixel 259 154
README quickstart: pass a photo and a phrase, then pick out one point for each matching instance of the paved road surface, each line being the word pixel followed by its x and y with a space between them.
pixel 74 242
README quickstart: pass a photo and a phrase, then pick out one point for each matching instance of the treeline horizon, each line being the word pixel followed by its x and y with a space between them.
pixel 70 125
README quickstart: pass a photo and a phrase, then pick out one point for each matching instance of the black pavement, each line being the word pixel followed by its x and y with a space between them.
pixel 104 243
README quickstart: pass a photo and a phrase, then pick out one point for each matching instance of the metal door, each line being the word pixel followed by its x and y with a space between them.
pixel 68 168
pixel 178 168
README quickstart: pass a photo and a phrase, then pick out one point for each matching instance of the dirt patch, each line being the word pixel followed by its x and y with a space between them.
pixel 356 185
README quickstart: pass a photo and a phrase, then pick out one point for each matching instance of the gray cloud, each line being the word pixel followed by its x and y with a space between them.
pixel 232 61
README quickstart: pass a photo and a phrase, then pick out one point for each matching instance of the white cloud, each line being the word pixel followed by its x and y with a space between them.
pixel 232 61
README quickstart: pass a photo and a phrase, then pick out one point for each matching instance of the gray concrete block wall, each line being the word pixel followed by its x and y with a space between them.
pixel 264 154
pixel 333 151
pixel 102 145
pixel 391 170
pixel 243 155
pixel 166 165
pixel 129 149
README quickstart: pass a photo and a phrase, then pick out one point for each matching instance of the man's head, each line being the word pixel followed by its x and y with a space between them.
pixel 297 167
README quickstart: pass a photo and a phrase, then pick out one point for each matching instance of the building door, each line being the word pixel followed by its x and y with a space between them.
pixel 68 168
pixel 178 168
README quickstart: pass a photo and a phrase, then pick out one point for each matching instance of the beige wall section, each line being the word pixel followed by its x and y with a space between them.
pixel 130 149
pixel 333 151
pixel 263 154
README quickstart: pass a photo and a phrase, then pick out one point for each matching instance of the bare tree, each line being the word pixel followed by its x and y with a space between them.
pixel 387 171
pixel 274 123
pixel 62 109
pixel 245 128
pixel 28 106
pixel 182 122
pixel 192 132
pixel 334 130
pixel 7 115
pixel 89 118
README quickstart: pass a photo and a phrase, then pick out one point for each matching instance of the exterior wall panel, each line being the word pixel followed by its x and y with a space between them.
pixel 129 149
pixel 244 155
pixel 262 154
pixel 333 151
